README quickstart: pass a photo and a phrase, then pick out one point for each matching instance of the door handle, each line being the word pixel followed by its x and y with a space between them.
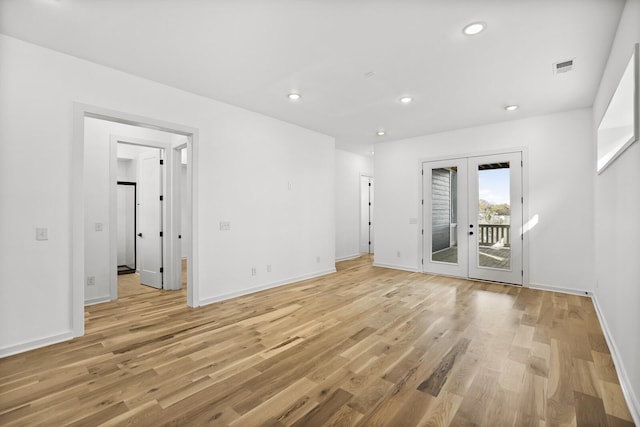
pixel 470 225
pixel 179 236
pixel 471 233
pixel 139 234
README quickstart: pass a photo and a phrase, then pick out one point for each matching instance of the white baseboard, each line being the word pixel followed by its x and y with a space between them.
pixel 632 400
pixel 223 297
pixel 348 257
pixel 32 345
pixel 98 300
pixel 395 267
pixel 560 289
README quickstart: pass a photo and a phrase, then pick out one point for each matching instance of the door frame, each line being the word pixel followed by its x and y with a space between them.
pixel 176 211
pixel 77 174
pixel 527 219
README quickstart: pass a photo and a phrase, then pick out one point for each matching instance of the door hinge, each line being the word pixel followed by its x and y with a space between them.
pixel 369 184
pixel 422 202
pixel 423 231
pixel 369 203
pixel 422 171
pixel 522 200
pixel 369 242
pixel 522 236
pixel 369 222
pixel 161 198
pixel 161 162
pixel 522 273
pixel 161 270
pixel 422 261
pixel 521 163
pixel 161 234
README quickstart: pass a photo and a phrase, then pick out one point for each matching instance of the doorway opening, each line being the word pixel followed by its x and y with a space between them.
pixel 366 214
pixel 472 217
pixel 94 180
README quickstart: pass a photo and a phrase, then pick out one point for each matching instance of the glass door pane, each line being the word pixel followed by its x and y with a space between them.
pixel 494 216
pixel 444 245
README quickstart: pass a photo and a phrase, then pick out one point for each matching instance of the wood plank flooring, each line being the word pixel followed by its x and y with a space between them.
pixel 365 346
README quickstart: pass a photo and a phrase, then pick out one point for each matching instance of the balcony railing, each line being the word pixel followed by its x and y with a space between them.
pixel 490 234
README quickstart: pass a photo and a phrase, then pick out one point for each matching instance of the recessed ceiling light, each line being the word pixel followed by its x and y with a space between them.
pixel 373 152
pixel 406 99
pixel 380 133
pixel 294 96
pixel 511 107
pixel 474 28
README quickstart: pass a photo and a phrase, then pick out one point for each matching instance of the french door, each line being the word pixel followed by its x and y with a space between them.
pixel 472 216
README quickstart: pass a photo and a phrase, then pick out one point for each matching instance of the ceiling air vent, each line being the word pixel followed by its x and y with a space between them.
pixel 563 67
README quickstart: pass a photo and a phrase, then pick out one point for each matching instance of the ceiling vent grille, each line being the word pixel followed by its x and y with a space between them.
pixel 563 67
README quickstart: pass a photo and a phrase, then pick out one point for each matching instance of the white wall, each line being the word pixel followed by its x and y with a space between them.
pixel 560 166
pixel 617 227
pixel 246 162
pixel 349 167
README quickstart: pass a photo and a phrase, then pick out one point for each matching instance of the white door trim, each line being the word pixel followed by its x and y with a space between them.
pixel 176 211
pixel 80 111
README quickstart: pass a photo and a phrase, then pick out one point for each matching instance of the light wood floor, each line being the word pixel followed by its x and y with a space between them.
pixel 365 346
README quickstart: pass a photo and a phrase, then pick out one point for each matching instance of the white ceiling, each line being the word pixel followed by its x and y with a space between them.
pixel 252 53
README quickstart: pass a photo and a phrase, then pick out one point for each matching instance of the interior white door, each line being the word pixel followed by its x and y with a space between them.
pixel 444 240
pixel 150 215
pixel 366 214
pixel 371 220
pixel 472 217
pixel 495 218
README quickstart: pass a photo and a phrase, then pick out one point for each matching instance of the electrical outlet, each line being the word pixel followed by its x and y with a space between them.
pixel 268 268
pixel 42 234
pixel 318 259
pixel 253 271
pixel 398 254
pixel 225 226
pixel 91 281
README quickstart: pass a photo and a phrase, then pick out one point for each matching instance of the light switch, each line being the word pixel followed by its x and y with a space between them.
pixel 42 234
pixel 225 226
pixel 98 226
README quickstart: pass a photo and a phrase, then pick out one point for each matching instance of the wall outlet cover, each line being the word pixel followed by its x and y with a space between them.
pixel 42 234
